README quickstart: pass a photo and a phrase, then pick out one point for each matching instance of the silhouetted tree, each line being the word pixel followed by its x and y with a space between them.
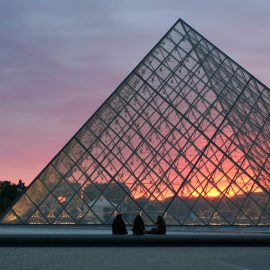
pixel 8 193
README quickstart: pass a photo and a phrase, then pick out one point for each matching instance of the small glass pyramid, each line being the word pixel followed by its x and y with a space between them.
pixel 186 136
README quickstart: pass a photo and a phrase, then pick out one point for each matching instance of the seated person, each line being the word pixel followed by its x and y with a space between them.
pixel 138 226
pixel 159 228
pixel 118 226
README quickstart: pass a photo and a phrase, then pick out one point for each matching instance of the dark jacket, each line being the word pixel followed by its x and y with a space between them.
pixel 138 226
pixel 118 226
pixel 160 227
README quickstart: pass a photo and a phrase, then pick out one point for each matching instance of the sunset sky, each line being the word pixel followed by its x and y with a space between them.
pixel 59 60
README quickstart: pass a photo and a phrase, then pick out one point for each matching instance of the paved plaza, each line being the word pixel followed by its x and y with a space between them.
pixel 158 258
pixel 95 255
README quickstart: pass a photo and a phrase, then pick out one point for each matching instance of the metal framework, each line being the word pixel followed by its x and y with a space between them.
pixel 185 135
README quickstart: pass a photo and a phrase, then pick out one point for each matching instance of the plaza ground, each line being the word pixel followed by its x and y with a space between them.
pixel 176 250
pixel 157 258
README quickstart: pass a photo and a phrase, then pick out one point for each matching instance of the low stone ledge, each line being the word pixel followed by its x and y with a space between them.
pixel 130 240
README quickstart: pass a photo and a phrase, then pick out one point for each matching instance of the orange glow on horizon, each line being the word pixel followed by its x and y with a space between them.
pixel 219 187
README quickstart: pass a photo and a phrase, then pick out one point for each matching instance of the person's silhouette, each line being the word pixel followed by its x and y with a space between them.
pixel 138 226
pixel 160 226
pixel 118 225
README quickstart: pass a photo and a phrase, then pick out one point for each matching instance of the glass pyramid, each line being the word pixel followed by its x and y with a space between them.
pixel 186 135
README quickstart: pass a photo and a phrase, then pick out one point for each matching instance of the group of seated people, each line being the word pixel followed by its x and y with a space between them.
pixel 119 227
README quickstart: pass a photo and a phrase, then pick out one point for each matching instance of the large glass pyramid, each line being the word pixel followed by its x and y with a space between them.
pixel 186 135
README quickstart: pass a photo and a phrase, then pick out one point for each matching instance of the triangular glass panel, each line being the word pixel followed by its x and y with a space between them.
pixel 37 218
pixel 103 208
pixel 77 208
pixel 24 208
pixel 50 208
pixel 218 219
pixel 64 218
pixel 11 218
pixel 90 218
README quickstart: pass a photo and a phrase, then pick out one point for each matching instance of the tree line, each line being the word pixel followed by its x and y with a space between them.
pixel 9 192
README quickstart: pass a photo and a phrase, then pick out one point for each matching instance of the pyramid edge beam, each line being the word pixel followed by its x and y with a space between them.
pixel 251 76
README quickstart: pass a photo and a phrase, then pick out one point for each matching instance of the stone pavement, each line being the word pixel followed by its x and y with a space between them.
pixel 134 258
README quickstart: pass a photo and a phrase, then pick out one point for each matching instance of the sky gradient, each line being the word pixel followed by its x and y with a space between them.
pixel 59 60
